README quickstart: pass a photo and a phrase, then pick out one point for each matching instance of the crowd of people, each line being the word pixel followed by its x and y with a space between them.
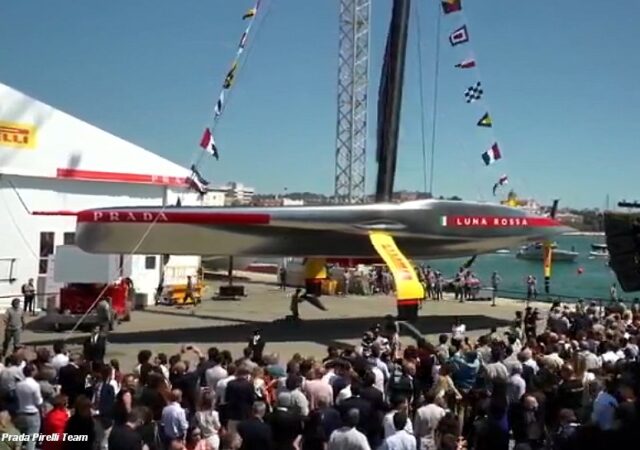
pixel 568 381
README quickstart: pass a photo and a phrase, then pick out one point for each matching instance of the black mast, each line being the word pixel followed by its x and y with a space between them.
pixel 390 99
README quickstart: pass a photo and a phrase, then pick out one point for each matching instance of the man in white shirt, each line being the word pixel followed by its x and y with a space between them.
pixel 400 406
pixel 458 330
pixel 516 386
pixel 214 374
pixel 401 439
pixel 174 419
pixel 61 358
pixel 29 403
pixel 221 386
pixel 426 421
pixel 348 437
pixel 611 356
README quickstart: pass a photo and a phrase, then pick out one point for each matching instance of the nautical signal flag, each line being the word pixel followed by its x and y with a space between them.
pixel 451 6
pixel 485 121
pixel 249 14
pixel 209 144
pixel 466 64
pixel 228 80
pixel 473 93
pixel 197 181
pixel 492 155
pixel 243 40
pixel 459 36
pixel 219 105
pixel 501 182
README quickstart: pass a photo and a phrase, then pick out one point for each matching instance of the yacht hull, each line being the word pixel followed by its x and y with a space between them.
pixel 424 228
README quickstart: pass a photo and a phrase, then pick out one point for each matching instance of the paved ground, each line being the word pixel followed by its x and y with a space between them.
pixel 228 324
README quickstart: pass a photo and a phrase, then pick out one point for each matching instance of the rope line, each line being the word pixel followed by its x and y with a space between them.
pixel 435 103
pixel 421 84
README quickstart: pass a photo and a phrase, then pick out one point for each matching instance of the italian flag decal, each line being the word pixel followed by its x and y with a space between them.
pixel 443 221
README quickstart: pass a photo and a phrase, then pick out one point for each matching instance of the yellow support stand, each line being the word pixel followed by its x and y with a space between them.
pixel 409 290
pixel 315 272
pixel 547 257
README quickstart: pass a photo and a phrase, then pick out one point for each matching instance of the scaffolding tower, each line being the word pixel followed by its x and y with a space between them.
pixel 353 80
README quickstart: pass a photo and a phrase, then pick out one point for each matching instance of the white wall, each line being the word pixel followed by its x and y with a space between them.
pixel 212 198
pixel 21 231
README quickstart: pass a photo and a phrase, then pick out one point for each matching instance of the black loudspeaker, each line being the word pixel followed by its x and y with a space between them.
pixel 231 291
pixel 623 242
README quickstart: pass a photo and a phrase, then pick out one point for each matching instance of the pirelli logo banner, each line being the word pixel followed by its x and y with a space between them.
pixel 20 136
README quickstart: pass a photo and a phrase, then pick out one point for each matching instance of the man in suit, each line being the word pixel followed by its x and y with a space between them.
pixel 255 433
pixel 367 418
pixel 240 395
pixel 95 347
pixel 286 424
pixel 72 379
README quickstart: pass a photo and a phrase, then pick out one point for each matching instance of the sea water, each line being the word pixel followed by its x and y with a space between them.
pixel 586 277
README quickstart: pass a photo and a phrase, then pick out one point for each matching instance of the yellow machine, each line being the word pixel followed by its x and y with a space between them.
pixel 176 294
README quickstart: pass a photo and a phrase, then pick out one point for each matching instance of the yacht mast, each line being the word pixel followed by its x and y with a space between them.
pixel 390 99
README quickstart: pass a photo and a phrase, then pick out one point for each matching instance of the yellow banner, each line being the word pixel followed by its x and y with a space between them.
pixel 548 252
pixel 315 268
pixel 408 286
pixel 17 135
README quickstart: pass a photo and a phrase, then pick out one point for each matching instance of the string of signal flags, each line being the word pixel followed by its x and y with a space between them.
pixel 207 141
pixel 474 93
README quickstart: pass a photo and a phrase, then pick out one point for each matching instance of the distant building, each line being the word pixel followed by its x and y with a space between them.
pixel 570 219
pixel 292 202
pixel 237 193
pixel 277 201
pixel 214 198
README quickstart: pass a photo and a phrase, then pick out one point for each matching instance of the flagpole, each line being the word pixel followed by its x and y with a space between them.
pixel 435 103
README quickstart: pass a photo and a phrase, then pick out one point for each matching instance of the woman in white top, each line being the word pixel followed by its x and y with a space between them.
pixel 208 420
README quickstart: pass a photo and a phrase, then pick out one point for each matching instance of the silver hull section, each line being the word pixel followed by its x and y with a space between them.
pixel 425 228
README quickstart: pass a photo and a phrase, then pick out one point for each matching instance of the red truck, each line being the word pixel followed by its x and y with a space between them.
pixel 85 278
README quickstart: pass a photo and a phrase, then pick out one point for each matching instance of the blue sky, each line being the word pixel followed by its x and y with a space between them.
pixel 561 79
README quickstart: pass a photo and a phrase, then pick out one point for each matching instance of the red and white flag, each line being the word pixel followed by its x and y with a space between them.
pixel 466 64
pixel 208 143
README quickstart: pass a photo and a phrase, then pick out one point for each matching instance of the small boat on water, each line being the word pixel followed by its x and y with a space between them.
pixel 503 251
pixel 599 251
pixel 535 252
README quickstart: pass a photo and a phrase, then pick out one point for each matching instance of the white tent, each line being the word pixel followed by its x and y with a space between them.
pixel 53 165
pixel 38 140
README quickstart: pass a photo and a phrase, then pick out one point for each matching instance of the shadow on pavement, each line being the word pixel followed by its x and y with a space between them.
pixel 321 331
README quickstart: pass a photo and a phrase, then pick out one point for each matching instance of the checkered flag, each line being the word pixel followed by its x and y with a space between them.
pixel 473 93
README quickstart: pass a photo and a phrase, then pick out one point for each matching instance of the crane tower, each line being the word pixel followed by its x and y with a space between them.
pixel 353 80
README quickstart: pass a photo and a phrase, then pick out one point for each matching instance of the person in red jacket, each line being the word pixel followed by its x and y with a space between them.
pixel 55 422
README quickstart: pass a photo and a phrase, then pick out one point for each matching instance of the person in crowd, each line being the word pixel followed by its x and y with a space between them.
pixel 348 437
pixel 13 326
pixel 95 347
pixel 55 422
pixel 29 295
pixel 10 434
pixel 256 434
pixel 125 436
pixel 29 396
pixel 81 423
